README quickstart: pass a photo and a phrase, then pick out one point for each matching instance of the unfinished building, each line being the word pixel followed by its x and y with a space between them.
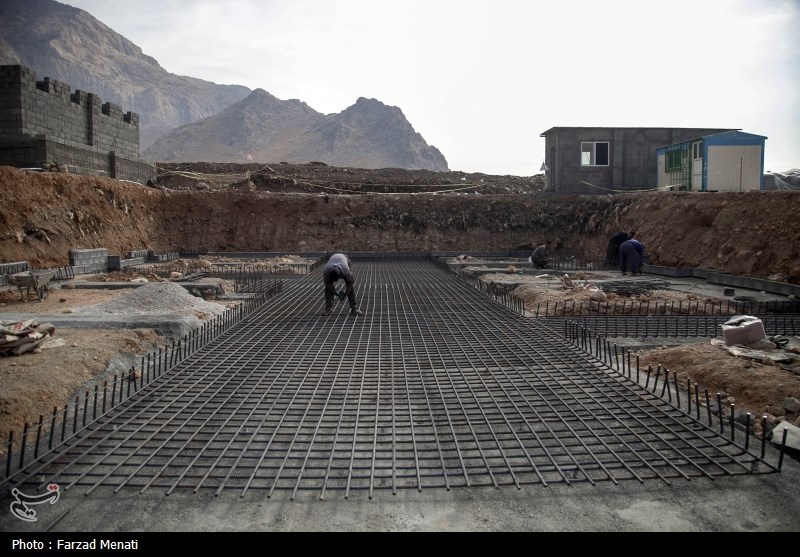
pixel 41 122
pixel 600 160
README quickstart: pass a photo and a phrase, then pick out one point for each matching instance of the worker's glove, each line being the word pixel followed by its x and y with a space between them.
pixel 340 295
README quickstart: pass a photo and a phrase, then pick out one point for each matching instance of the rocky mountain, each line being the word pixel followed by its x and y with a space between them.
pixel 68 44
pixel 211 122
pixel 368 134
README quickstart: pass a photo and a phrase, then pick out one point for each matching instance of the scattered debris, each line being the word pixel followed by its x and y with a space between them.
pixel 52 166
pixel 598 296
pixel 770 351
pixel 632 288
pixel 19 337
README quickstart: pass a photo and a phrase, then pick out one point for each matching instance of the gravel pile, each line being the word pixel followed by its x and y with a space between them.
pixel 156 297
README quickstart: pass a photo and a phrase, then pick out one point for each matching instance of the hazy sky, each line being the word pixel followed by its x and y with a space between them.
pixel 482 79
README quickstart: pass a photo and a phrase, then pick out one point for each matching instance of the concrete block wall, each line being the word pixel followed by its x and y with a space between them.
pixel 77 129
pixel 12 269
pixel 153 257
pixel 117 262
pixel 88 260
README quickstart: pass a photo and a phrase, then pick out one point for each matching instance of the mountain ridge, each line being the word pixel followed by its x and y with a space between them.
pixel 70 45
pixel 368 134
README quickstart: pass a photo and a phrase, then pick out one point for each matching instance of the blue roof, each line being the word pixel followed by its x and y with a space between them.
pixel 733 137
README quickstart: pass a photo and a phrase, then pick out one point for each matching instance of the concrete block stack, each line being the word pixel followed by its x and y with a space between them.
pixel 12 269
pixel 88 260
pixel 153 257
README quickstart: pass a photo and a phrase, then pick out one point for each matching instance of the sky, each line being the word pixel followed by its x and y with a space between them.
pixel 482 79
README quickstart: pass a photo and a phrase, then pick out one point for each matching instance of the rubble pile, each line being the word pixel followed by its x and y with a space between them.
pixel 19 337
pixel 744 337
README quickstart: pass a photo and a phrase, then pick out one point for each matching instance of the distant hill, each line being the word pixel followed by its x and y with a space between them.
pixel 368 134
pixel 215 123
pixel 65 43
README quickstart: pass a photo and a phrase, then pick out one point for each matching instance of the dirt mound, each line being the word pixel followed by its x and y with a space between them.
pixel 316 177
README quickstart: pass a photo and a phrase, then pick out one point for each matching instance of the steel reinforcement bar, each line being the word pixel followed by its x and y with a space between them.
pixel 82 412
pixel 434 386
pixel 626 363
pixel 652 326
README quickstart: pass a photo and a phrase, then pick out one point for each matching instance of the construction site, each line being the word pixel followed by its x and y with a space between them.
pixel 173 361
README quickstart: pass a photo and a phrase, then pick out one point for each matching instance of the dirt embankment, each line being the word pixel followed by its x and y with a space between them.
pixel 43 215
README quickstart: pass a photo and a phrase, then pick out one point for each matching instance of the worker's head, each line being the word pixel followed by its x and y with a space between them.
pixel 548 242
pixel 334 275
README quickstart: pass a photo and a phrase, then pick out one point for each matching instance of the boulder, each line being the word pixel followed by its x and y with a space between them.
pixel 792 435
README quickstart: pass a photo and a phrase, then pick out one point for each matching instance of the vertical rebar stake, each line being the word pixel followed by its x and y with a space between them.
pixel 64 422
pixel 689 396
pixel 733 421
pixel 8 452
pixel 719 409
pixel 697 401
pixel 747 433
pixel 22 445
pixel 708 407
pixel 75 417
pixel 52 427
pixel 38 436
pixel 783 447
pixel 85 407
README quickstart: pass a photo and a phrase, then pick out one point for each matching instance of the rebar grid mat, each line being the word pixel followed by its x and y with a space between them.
pixel 654 326
pixel 435 386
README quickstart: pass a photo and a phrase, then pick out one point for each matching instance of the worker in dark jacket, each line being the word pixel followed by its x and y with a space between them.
pixel 339 267
pixel 631 254
pixel 539 255
pixel 614 242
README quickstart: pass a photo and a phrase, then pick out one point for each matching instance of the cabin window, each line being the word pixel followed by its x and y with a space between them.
pixel 594 153
pixel 674 160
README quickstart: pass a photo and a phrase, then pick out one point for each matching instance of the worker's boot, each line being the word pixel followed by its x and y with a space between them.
pixel 355 311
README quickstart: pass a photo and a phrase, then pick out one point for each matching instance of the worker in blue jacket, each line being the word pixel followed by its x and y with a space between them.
pixel 631 254
pixel 614 242
pixel 339 267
